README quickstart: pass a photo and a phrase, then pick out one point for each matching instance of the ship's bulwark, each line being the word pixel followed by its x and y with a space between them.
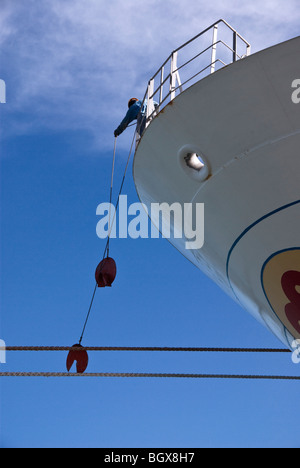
pixel 244 121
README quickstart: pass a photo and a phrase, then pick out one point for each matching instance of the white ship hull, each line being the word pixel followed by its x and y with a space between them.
pixel 244 123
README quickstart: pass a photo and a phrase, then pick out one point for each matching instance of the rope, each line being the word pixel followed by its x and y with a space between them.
pixel 88 314
pixel 120 192
pixel 148 348
pixel 106 250
pixel 110 195
pixel 147 375
pixel 191 376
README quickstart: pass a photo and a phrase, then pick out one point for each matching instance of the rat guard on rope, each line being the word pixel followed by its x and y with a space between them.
pixel 106 272
pixel 81 358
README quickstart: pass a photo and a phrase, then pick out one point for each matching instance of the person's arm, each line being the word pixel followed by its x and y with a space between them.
pixel 129 117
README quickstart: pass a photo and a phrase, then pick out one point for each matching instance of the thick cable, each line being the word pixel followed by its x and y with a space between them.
pixel 114 374
pixel 145 348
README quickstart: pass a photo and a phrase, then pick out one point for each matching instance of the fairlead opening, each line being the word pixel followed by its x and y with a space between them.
pixel 194 163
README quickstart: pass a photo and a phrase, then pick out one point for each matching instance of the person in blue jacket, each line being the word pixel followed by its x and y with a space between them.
pixel 136 110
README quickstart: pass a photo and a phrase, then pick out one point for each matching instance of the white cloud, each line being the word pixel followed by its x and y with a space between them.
pixel 74 63
pixel 6 29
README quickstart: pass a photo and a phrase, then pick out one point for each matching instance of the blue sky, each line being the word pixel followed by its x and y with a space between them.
pixel 70 67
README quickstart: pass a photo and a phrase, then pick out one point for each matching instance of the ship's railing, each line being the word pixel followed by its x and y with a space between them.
pixel 204 54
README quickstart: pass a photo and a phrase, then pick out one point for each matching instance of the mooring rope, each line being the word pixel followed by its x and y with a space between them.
pixel 145 348
pixel 148 375
pixel 106 250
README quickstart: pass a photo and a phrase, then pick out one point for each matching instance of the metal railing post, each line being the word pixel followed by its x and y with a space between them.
pixel 161 85
pixel 150 105
pixel 234 47
pixel 214 49
pixel 173 75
